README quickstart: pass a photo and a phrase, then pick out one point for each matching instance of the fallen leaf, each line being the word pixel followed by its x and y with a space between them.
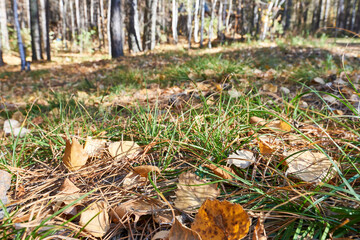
pixel 318 80
pixel 18 116
pixel 94 146
pixel 133 180
pixel 309 166
pixel 241 158
pixel 234 93
pixel 95 219
pixel 145 169
pixel 329 99
pixel 62 200
pixel 270 87
pixel 268 144
pixel 259 233
pixel 221 220
pixel 137 208
pixel 284 90
pixel 257 121
pixel 223 171
pixel 68 187
pixel 5 181
pixel 192 191
pixel 161 235
pixel 284 126
pixel 179 231
pixel 121 149
pixel 75 156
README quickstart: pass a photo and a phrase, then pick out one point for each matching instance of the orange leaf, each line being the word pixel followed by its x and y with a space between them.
pixel 75 156
pixel 265 148
pixel 285 126
pixel 221 220
pixel 221 171
pixel 179 231
pixel 144 170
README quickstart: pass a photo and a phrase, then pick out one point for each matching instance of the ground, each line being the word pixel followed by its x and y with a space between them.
pixel 188 111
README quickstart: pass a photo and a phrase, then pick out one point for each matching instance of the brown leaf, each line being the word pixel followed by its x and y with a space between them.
pixel 134 180
pixel 145 169
pixel 285 126
pixel 96 219
pixel 221 220
pixel 257 121
pixel 68 187
pixel 221 171
pixel 75 156
pixel 192 192
pixel 179 231
pixel 259 233
pixel 137 208
pixel 122 149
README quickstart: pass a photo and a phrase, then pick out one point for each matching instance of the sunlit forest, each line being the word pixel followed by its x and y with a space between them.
pixel 180 119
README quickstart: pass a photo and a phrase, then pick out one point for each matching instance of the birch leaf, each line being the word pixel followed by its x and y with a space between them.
pixel 75 156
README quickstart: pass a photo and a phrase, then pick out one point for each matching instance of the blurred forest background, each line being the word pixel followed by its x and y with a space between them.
pixel 45 27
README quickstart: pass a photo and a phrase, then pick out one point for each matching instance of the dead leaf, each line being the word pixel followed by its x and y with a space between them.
pixel 192 191
pixel 94 146
pixel 257 121
pixel 284 126
pixel 259 233
pixel 145 169
pixel 223 171
pixel 75 156
pixel 62 200
pixel 161 235
pixel 309 166
pixel 179 231
pixel 133 180
pixel 95 219
pixel 234 93
pixel 241 158
pixel 137 208
pixel 221 220
pixel 268 144
pixel 284 90
pixel 318 80
pixel 270 87
pixel 121 149
pixel 68 187
pixel 5 181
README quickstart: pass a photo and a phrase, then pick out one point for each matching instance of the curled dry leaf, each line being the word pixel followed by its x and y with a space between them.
pixel 268 144
pixel 137 208
pixel 121 149
pixel 192 192
pixel 221 220
pixel 241 159
pixel 309 166
pixel 133 180
pixel 75 156
pixel 144 170
pixel 95 219
pixel 94 146
pixel 257 121
pixel 260 233
pixel 179 231
pixel 68 187
pixel 223 171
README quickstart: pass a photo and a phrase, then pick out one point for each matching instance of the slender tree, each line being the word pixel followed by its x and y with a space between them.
pixel 202 22
pixel 211 25
pixel 149 40
pixel 35 31
pixel 116 29
pixel 133 27
pixel 287 13
pixel 3 25
pixel 72 22
pixel 44 22
pixel 227 24
pixel 102 17
pixel 341 15
pixel 174 21
pixel 19 38
pixel 357 19
pixel 326 13
pixel 196 21
pixel 353 16
pixel 189 21
pixel 78 21
pixel 1 54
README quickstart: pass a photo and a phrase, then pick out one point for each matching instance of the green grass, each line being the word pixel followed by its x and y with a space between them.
pixel 207 132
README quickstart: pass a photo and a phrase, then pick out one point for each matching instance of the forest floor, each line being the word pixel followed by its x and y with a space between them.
pixel 272 126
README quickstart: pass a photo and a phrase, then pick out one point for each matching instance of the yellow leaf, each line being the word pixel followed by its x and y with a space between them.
pixel 309 166
pixel 75 156
pixel 285 126
pixel 96 219
pixel 179 231
pixel 270 88
pixel 221 220
pixel 192 192
pixel 144 170
pixel 265 148
pixel 122 149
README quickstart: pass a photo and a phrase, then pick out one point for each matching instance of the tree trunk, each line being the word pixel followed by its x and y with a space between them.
pixel 116 27
pixel 357 19
pixel 353 15
pixel 228 16
pixel 326 13
pixel 220 22
pixel 86 18
pixel 102 18
pixel 288 11
pixel 340 15
pixel 133 27
pixel 316 15
pixel 266 21
pixel 196 21
pixel 108 27
pixel 78 19
pixel 63 16
pixel 72 20
pixel 150 24
pixel 174 21
pixel 19 38
pixel 189 21
pixel 35 31
pixel 3 25
pixel 44 21
pixel 211 25
pixel 202 22
pixel 92 21
pixel 1 54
